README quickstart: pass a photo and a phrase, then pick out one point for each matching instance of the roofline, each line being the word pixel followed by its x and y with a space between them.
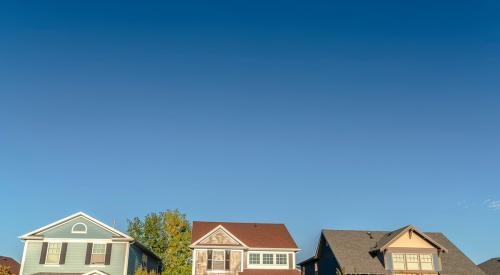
pixel 306 261
pixel 413 228
pixel 70 217
pixel 145 248
pixel 241 222
pixel 213 231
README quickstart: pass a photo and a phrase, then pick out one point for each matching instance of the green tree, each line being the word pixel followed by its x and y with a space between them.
pixel 5 270
pixel 142 271
pixel 168 235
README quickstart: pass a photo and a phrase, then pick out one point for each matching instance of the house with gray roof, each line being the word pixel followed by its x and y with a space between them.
pixel 491 266
pixel 405 251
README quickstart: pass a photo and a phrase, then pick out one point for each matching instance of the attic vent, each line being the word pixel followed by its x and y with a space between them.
pixel 369 234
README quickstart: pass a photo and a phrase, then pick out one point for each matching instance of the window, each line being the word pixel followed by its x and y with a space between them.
pixel 98 253
pixel 53 253
pixel 398 261
pixel 268 258
pixel 281 259
pixel 218 259
pixel 412 261
pixel 426 262
pixel 254 258
pixel 79 228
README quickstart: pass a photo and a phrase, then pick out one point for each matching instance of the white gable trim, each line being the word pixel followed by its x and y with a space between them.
pixel 71 217
pixel 95 272
pixel 219 227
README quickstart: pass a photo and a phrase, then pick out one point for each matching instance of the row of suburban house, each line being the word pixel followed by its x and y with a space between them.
pixel 80 244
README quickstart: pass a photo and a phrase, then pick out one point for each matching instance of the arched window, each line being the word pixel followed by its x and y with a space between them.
pixel 79 228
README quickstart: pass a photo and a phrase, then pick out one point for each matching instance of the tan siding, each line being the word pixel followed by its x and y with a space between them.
pixel 415 241
pixel 201 262
pixel 235 261
pixel 219 237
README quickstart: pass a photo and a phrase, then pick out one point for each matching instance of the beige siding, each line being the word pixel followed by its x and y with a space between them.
pixel 201 263
pixel 415 241
pixel 235 261
pixel 219 237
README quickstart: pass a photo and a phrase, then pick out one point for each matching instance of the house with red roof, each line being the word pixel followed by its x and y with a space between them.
pixel 242 249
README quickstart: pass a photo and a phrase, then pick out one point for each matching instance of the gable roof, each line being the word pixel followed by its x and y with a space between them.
pixel 13 264
pixel 33 233
pixel 354 252
pixel 491 266
pixel 391 237
pixel 252 235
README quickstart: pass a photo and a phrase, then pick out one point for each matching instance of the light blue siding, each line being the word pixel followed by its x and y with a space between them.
pixel 94 231
pixel 75 259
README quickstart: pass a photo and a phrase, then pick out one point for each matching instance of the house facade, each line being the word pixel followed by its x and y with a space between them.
pixel 80 244
pixel 406 251
pixel 491 266
pixel 242 249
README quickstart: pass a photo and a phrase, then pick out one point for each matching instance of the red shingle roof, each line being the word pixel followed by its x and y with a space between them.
pixel 270 272
pixel 14 265
pixel 256 235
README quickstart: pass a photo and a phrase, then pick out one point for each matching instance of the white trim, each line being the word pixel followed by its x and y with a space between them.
pixel 125 264
pixel 193 261
pixel 92 253
pixel 24 257
pixel 213 231
pixel 67 240
pixel 274 265
pixel 79 232
pixel 95 271
pixel 47 254
pixel 68 218
pixel 224 261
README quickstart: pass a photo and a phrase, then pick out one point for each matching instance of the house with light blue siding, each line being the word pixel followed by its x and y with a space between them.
pixel 81 245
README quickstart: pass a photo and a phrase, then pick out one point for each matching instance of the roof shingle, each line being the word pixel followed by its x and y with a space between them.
pixel 254 235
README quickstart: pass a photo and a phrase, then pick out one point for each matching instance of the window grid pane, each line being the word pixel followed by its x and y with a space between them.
pixel 254 258
pixel 281 259
pixel 268 258
pixel 218 260
pixel 53 253
pixel 398 261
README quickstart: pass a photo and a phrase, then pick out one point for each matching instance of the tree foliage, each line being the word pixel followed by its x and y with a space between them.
pixel 142 271
pixel 5 270
pixel 168 235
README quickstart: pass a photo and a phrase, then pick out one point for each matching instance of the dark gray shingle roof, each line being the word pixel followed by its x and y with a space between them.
pixel 491 266
pixel 352 250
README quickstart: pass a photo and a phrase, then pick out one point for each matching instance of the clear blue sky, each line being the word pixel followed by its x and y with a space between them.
pixel 360 115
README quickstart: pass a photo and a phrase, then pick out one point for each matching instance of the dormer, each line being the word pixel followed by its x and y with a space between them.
pixel 409 250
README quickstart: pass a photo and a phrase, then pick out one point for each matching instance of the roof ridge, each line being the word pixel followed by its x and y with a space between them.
pixel 240 222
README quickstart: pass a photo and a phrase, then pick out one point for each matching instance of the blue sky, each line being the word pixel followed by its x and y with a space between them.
pixel 360 115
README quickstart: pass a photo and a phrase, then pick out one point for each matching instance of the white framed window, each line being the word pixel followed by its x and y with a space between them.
pixel 144 261
pixel 254 258
pixel 398 261
pixel 281 259
pixel 53 253
pixel 218 259
pixel 412 261
pixel 98 254
pixel 79 228
pixel 268 258
pixel 426 262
